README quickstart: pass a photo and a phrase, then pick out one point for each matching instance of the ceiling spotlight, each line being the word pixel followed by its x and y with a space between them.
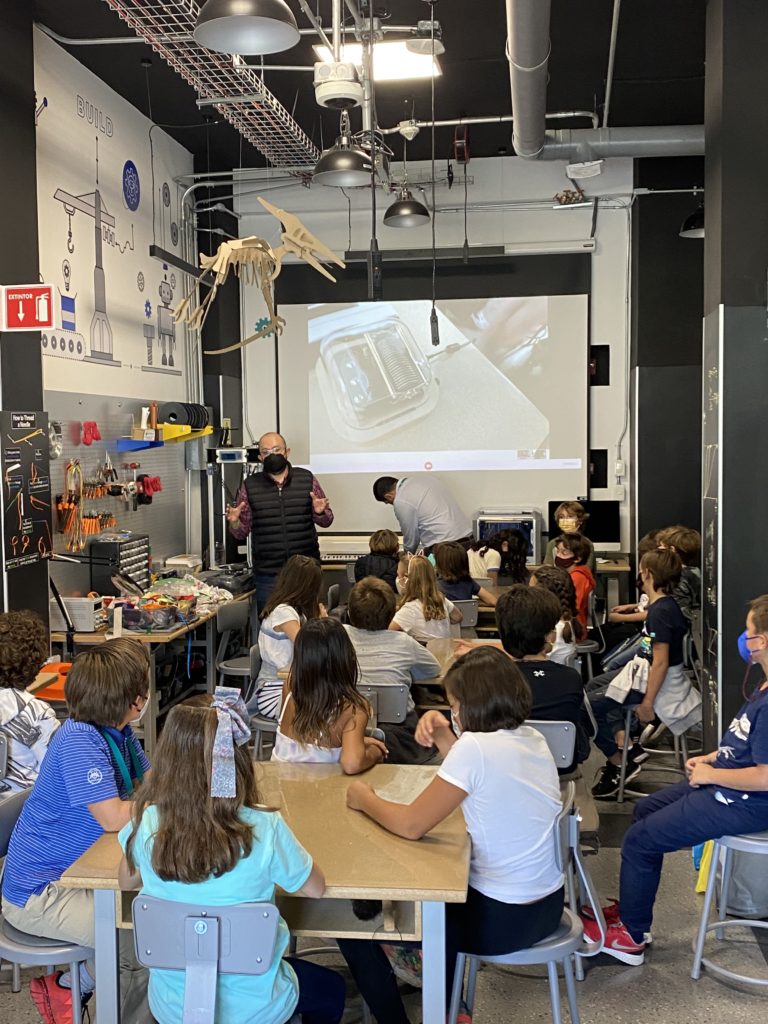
pixel 406 212
pixel 246 26
pixel 693 226
pixel 345 164
pixel 421 40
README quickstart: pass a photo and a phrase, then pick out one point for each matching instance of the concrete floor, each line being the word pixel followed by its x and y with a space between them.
pixel 661 990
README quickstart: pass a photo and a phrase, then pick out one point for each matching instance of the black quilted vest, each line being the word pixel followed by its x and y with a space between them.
pixel 282 523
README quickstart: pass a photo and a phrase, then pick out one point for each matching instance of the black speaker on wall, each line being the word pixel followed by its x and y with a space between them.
pixel 598 467
pixel 599 366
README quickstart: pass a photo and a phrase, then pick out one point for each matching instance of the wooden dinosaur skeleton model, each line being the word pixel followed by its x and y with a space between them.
pixel 255 262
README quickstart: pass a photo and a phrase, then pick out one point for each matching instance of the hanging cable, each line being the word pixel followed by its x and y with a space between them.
pixel 433 325
pixel 466 238
pixel 349 219
pixel 374 253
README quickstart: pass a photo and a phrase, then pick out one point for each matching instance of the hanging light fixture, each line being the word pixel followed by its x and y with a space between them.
pixel 406 212
pixel 345 164
pixel 693 226
pixel 426 41
pixel 246 26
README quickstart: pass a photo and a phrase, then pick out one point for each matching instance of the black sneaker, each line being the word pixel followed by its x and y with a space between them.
pixel 636 755
pixel 652 732
pixel 608 783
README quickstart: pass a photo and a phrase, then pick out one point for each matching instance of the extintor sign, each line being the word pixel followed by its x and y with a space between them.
pixel 27 307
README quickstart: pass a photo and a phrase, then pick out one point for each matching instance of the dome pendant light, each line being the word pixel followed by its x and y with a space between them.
pixel 693 226
pixel 246 26
pixel 344 165
pixel 406 212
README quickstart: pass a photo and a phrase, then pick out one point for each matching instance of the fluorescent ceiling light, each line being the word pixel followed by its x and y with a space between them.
pixel 392 61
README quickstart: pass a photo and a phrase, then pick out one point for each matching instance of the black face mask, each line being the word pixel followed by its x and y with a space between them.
pixel 275 463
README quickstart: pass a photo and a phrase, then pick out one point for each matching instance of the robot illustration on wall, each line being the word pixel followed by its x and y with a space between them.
pixel 166 331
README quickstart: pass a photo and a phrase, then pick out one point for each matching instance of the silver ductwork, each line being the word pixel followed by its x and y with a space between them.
pixel 581 144
pixel 528 55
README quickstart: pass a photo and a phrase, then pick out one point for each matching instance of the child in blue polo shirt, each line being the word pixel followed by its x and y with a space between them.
pixel 86 780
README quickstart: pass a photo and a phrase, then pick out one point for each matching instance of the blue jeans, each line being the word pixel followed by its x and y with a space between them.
pixel 322 992
pixel 264 584
pixel 609 715
pixel 673 819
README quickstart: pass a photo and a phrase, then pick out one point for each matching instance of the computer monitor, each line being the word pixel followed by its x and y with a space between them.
pixel 487 523
pixel 603 525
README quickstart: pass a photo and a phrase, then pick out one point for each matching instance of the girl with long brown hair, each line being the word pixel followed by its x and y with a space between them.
pixel 199 835
pixel 324 717
pixel 569 630
pixel 293 601
pixel 424 613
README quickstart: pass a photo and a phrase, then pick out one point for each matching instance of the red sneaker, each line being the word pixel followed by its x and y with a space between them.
pixel 610 913
pixel 54 1003
pixel 618 942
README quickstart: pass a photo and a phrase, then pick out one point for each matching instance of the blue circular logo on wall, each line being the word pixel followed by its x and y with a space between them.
pixel 131 186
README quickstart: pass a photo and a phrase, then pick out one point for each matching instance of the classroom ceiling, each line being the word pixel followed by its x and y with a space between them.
pixel 658 79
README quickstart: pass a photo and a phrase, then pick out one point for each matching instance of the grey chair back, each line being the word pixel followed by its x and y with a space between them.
pixel 561 740
pixel 389 700
pixel 334 597
pixel 204 942
pixel 230 616
pixel 250 688
pixel 469 610
pixel 11 805
pixel 3 755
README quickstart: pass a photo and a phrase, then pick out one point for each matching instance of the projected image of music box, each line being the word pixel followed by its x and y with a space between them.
pixel 373 375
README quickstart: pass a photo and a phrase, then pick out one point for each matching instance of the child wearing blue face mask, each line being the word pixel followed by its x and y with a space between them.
pixel 726 793
pixel 87 778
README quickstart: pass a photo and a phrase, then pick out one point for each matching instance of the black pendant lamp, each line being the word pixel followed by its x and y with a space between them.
pixel 345 164
pixel 246 26
pixel 406 212
pixel 693 226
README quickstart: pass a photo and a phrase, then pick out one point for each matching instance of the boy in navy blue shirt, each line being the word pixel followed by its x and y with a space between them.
pixel 726 793
pixel 84 787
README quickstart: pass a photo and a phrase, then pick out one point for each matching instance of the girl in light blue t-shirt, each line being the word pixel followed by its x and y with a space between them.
pixel 198 834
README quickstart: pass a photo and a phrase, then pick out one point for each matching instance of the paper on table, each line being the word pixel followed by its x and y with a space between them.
pixel 404 790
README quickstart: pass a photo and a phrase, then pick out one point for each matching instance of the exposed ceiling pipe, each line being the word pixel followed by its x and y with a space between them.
pixel 336 30
pixel 611 60
pixel 583 144
pixel 315 23
pixel 495 119
pixel 353 10
pixel 528 51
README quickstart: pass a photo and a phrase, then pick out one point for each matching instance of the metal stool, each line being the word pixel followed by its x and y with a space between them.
pixel 757 843
pixel 19 948
pixel 680 753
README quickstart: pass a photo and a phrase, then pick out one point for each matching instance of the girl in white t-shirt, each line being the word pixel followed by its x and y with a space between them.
pixel 293 601
pixel 502 775
pixel 424 613
pixel 324 716
pixel 569 631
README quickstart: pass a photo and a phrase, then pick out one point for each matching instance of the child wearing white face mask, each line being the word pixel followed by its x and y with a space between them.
pixel 491 760
pixel 92 767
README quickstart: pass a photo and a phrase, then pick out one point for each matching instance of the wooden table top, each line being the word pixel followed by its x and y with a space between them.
pixel 360 859
pixel 155 637
pixel 444 650
pixel 41 680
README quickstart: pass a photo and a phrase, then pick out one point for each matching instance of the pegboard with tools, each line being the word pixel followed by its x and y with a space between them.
pixel 112 484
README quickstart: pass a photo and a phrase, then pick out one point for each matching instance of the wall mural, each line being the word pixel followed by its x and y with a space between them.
pixel 105 194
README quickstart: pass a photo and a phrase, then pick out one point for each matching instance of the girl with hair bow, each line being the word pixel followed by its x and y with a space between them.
pixel 199 834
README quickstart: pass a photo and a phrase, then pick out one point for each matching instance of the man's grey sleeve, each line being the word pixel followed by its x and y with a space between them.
pixel 406 516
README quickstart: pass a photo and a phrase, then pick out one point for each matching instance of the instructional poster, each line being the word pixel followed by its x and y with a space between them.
pixel 26 487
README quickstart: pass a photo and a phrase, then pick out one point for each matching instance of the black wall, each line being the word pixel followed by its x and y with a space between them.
pixel 20 354
pixel 667 310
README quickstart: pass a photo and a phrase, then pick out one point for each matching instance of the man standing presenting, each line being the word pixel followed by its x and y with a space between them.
pixel 426 510
pixel 280 508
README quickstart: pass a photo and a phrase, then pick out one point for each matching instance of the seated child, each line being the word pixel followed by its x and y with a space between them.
pixel 26 722
pixel 686 542
pixel 526 618
pixel 452 565
pixel 503 556
pixel 668 692
pixel 210 841
pixel 388 657
pixel 625 621
pixel 293 600
pixel 568 631
pixel 571 553
pixel 571 517
pixel 93 765
pixel 492 760
pixel 423 612
pixel 382 561
pixel 726 793
pixel 324 717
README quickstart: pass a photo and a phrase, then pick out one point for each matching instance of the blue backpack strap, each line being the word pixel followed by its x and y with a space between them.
pixel 129 778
